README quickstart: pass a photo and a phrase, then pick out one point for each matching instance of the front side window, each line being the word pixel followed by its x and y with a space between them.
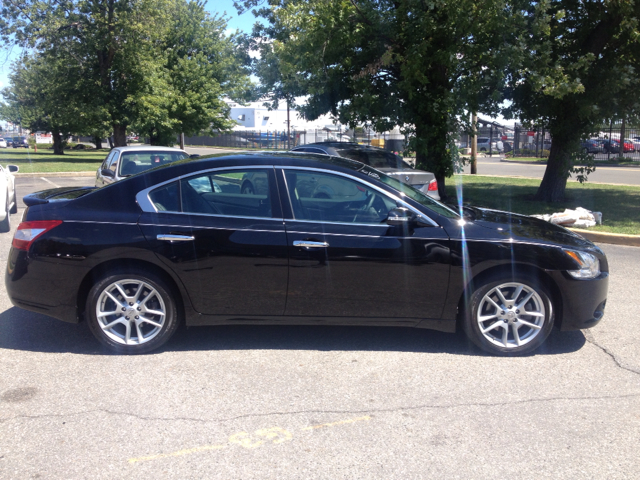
pixel 136 162
pixel 323 197
pixel 105 164
pixel 242 193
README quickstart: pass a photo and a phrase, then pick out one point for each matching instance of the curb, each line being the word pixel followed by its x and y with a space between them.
pixel 56 174
pixel 613 238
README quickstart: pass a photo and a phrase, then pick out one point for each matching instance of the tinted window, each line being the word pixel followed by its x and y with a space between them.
pixel 136 162
pixel 234 192
pixel 375 158
pixel 323 197
pixel 166 198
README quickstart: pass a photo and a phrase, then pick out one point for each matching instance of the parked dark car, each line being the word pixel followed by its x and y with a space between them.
pixel 182 242
pixel 20 142
pixel 378 158
pixel 592 145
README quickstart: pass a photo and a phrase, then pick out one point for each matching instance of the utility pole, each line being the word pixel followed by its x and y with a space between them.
pixel 288 128
pixel 182 141
pixel 474 144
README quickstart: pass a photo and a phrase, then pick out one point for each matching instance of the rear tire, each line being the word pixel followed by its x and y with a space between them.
pixel 131 313
pixel 509 316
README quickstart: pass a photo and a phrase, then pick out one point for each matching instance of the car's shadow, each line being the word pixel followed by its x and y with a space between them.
pixel 28 331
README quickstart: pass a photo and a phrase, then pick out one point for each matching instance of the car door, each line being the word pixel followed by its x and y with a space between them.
pixel 347 262
pixel 228 247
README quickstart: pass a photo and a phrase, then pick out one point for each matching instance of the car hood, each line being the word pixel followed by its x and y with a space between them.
pixel 523 228
pixel 410 176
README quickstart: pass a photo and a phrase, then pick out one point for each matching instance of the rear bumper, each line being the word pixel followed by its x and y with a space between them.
pixel 583 301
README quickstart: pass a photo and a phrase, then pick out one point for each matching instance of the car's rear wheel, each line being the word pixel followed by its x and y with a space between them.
pixel 509 316
pixel 131 313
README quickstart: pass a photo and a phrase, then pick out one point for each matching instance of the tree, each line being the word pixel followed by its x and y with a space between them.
pixel 582 68
pixel 201 66
pixel 39 99
pixel 418 65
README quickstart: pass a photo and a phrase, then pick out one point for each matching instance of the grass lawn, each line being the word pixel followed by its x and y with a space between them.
pixel 620 205
pixel 45 161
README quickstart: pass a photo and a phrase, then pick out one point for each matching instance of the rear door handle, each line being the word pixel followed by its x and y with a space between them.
pixel 309 244
pixel 175 238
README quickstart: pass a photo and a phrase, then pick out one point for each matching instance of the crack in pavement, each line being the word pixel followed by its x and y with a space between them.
pixel 299 412
pixel 590 338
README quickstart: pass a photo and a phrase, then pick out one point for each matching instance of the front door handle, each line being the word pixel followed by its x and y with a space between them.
pixel 309 244
pixel 175 238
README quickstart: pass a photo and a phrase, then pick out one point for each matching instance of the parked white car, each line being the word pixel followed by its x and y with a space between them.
pixel 3 143
pixel 8 200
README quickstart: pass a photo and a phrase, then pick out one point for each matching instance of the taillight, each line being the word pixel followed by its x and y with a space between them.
pixel 27 232
pixel 433 185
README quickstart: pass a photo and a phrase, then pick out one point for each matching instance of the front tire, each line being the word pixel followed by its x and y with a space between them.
pixel 5 225
pixel 131 313
pixel 509 316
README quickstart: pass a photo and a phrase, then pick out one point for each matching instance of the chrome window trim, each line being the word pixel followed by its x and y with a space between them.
pixel 101 223
pixel 339 223
pixel 374 187
pixel 145 203
pixel 199 227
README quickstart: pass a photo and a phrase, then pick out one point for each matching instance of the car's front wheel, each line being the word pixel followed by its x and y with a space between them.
pixel 509 316
pixel 131 313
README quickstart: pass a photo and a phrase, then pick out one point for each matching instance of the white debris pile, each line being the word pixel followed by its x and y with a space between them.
pixel 580 217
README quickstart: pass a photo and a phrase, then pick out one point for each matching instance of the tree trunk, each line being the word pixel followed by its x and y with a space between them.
pixel 98 141
pixel 58 143
pixel 120 135
pixel 554 182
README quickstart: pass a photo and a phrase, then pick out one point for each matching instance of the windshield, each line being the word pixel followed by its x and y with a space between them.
pixel 412 193
pixel 136 162
pixel 374 158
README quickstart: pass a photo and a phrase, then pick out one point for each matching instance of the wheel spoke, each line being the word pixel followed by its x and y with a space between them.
pixel 516 336
pixel 505 334
pixel 526 299
pixel 518 292
pixel 137 295
pixel 110 325
pixel 490 300
pixel 151 294
pixel 484 318
pixel 529 324
pixel 140 337
pixel 150 322
pixel 127 335
pixel 532 314
pixel 121 290
pixel 106 314
pixel 499 293
pixel 154 312
pixel 118 302
pixel 495 324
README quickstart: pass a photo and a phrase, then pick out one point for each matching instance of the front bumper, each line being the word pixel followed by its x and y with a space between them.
pixel 583 301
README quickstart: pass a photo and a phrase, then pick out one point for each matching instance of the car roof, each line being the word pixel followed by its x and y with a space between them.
pixel 143 148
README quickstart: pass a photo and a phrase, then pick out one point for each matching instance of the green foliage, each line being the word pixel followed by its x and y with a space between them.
pixel 418 65
pixel 580 68
pixel 162 66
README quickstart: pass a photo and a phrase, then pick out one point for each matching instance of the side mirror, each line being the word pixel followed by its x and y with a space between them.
pixel 13 168
pixel 404 216
pixel 194 155
pixel 107 173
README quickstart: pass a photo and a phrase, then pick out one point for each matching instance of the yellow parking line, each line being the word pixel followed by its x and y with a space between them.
pixel 178 453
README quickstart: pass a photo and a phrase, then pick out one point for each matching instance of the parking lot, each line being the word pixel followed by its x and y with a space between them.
pixel 244 402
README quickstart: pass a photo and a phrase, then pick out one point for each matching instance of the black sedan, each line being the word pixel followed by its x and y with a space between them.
pixel 184 243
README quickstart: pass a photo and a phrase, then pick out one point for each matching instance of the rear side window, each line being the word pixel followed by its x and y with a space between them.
pixel 243 193
pixel 136 162
pixel 166 198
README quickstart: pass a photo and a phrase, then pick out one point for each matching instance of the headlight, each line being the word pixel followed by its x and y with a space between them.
pixel 589 264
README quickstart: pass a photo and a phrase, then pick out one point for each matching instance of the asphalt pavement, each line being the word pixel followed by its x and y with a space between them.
pixel 261 402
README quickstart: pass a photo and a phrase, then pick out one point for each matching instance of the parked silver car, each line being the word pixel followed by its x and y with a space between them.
pixel 8 200
pixel 123 162
pixel 383 160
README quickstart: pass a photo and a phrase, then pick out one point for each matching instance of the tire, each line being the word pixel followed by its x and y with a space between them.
pixel 247 189
pixel 492 323
pixel 14 209
pixel 5 225
pixel 152 315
